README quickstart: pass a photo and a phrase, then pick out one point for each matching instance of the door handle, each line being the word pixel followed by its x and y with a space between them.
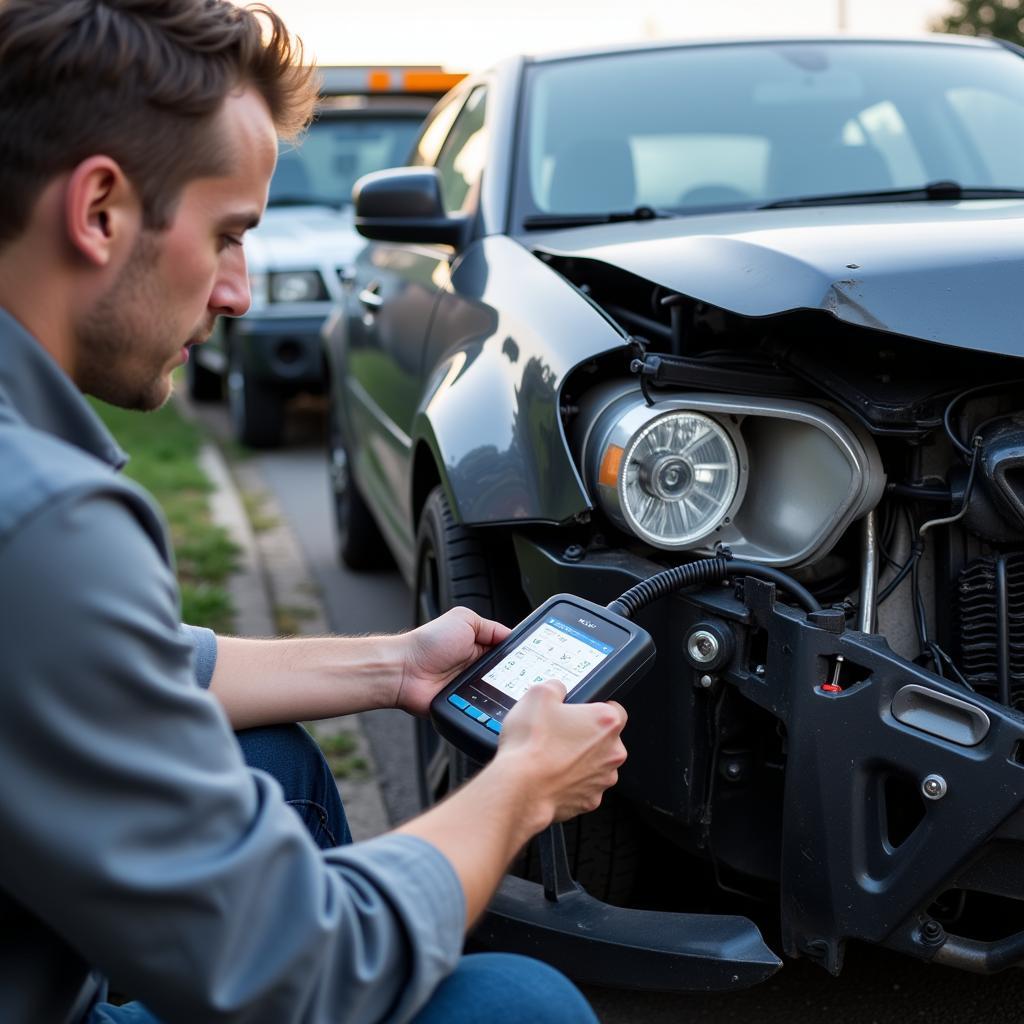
pixel 370 296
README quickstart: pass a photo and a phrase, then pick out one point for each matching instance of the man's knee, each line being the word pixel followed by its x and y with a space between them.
pixel 292 757
pixel 503 988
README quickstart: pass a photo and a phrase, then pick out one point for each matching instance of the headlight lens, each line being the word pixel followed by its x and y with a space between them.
pixel 297 286
pixel 677 478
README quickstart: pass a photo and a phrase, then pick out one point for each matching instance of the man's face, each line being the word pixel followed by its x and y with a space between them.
pixel 179 279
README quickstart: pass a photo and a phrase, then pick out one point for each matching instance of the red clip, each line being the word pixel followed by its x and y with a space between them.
pixel 832 686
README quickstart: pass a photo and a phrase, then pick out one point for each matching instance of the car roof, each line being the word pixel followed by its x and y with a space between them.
pixel 924 39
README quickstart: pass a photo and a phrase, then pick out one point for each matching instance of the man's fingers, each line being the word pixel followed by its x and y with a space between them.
pixel 550 689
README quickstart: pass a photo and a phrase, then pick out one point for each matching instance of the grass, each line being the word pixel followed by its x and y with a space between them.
pixel 340 750
pixel 164 449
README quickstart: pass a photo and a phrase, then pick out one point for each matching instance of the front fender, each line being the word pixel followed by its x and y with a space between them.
pixel 507 331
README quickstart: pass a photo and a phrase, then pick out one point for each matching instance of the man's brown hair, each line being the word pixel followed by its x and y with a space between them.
pixel 140 81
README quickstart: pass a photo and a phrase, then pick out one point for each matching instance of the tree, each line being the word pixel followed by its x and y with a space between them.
pixel 1003 19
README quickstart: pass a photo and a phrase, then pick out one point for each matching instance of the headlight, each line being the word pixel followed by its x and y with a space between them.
pixel 678 477
pixel 671 478
pixel 776 481
pixel 297 286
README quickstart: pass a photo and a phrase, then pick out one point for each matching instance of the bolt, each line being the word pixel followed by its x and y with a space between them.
pixel 933 933
pixel 734 771
pixel 703 647
pixel 934 787
pixel 759 670
pixel 705 681
pixel 573 553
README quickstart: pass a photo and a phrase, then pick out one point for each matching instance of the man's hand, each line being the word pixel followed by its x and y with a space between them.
pixel 438 651
pixel 554 761
pixel 571 752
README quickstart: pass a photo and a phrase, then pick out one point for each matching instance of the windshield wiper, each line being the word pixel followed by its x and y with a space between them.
pixel 542 221
pixel 933 192
pixel 296 200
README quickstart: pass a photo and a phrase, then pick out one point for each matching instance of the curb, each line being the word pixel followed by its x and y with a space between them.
pixel 274 594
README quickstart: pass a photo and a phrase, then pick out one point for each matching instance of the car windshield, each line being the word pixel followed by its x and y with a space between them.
pixel 336 152
pixel 737 126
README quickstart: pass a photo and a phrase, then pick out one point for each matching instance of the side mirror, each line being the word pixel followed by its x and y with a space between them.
pixel 404 204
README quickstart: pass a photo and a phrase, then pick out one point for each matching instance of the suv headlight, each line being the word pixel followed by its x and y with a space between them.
pixel 297 286
pixel 672 478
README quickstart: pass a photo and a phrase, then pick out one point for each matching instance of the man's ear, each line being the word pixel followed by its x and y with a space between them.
pixel 102 210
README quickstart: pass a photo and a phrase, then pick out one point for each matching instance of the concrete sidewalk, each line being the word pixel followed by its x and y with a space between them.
pixel 274 593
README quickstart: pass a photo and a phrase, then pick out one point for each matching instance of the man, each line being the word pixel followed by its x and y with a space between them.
pixel 137 141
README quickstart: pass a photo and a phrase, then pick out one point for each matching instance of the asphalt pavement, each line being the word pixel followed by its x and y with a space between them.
pixel 875 987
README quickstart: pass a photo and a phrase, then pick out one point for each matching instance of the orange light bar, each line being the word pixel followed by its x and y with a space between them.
pixel 611 463
pixel 430 81
pixel 379 81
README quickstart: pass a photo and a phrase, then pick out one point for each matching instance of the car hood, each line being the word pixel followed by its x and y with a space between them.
pixel 302 237
pixel 947 272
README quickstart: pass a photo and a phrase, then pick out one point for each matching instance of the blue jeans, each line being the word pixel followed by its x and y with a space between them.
pixel 485 988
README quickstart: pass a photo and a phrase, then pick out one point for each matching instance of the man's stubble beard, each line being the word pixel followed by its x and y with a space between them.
pixel 121 357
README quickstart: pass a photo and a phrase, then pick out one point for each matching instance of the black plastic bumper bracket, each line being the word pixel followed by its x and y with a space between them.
pixel 600 944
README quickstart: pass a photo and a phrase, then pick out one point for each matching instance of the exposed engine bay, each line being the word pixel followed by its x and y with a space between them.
pixel 884 476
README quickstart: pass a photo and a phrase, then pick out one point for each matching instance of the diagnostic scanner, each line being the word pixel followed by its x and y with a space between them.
pixel 596 653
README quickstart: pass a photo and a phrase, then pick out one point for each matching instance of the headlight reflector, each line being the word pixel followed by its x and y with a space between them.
pixel 678 477
pixel 297 286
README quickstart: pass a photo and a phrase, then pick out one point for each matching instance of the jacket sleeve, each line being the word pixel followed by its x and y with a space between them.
pixel 204 652
pixel 134 830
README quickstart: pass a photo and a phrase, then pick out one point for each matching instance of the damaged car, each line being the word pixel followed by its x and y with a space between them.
pixel 753 310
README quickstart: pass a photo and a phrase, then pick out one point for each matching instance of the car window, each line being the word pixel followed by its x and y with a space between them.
pixel 715 126
pixel 336 152
pixel 436 130
pixel 995 125
pixel 461 159
pixel 881 127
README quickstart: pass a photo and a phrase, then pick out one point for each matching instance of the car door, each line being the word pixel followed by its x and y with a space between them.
pixel 395 292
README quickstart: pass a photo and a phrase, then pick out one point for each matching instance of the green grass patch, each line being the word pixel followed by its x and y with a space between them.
pixel 340 750
pixel 259 519
pixel 164 450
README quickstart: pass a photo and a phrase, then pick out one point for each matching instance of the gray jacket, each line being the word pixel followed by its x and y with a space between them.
pixel 133 839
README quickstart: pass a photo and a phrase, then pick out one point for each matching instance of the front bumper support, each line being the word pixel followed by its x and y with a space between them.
pixel 600 944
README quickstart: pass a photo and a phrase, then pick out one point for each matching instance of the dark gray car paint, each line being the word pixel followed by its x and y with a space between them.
pixel 924 270
pixel 492 412
pixel 506 329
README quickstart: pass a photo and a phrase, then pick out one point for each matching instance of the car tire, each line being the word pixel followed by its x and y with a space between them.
pixel 257 411
pixel 201 384
pixel 361 547
pixel 453 568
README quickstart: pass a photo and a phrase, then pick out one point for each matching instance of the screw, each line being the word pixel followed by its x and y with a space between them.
pixel 933 933
pixel 759 670
pixel 703 647
pixel 705 681
pixel 573 553
pixel 934 787
pixel 734 771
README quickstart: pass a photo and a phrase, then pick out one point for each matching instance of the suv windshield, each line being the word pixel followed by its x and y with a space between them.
pixel 742 125
pixel 337 151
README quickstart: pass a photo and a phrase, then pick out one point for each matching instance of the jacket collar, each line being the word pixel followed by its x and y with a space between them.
pixel 34 389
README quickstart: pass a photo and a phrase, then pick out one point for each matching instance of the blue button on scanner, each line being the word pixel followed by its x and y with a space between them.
pixel 458 702
pixel 494 726
pixel 475 714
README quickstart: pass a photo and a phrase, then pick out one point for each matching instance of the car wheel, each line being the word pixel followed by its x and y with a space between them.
pixel 360 544
pixel 452 568
pixel 257 411
pixel 201 384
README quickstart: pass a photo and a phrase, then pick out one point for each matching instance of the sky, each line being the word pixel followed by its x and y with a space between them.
pixel 465 35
